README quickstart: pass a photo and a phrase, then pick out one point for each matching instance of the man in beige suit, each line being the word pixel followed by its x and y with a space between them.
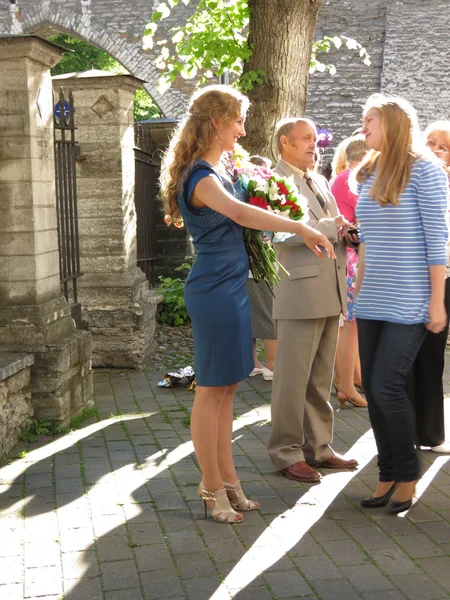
pixel 306 310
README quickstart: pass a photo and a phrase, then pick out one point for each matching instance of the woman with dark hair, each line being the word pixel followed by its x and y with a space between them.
pixel 401 213
pixel 424 384
pixel 196 187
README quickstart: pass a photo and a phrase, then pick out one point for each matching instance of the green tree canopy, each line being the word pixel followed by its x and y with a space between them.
pixel 85 57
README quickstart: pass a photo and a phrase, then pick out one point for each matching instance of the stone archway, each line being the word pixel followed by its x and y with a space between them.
pixel 117 31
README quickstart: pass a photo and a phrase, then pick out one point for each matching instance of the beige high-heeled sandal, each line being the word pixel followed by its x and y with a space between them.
pixel 221 511
pixel 237 497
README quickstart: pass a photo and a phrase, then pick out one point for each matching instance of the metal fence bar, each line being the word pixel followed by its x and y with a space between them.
pixel 146 177
pixel 66 201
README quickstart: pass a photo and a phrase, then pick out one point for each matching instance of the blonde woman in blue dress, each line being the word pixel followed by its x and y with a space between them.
pixel 196 186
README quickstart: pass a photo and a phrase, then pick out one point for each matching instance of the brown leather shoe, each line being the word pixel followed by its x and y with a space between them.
pixel 301 471
pixel 337 462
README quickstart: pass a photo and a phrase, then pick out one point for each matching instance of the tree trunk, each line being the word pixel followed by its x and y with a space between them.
pixel 281 32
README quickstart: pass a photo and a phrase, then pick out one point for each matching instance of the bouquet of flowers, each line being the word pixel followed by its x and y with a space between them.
pixel 276 194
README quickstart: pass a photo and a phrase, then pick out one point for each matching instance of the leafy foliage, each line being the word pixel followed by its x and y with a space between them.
pixel 85 57
pixel 214 40
pixel 173 311
pixel 31 432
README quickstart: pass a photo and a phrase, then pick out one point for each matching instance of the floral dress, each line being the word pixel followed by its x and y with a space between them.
pixel 352 269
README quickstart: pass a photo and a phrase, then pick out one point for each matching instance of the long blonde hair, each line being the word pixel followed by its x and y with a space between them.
pixel 210 106
pixel 400 147
pixel 435 129
pixel 339 162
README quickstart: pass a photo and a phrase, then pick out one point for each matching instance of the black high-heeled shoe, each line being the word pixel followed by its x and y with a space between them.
pixel 378 501
pixel 398 507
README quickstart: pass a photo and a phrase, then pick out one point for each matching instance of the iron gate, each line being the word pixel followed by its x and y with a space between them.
pixel 145 198
pixel 66 150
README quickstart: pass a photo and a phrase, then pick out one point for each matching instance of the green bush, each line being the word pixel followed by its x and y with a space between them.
pixel 173 310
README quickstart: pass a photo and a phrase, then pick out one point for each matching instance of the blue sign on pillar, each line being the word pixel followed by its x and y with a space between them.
pixel 58 110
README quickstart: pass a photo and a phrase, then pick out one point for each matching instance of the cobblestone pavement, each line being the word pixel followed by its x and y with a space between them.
pixel 110 512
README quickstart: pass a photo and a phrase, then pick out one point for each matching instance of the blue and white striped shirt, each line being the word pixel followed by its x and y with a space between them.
pixel 401 242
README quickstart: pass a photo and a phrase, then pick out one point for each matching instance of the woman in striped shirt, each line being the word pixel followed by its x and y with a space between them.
pixel 400 285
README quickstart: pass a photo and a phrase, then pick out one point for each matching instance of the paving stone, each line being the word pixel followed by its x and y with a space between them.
pixel 169 501
pixel 76 539
pixel 259 593
pixel 345 553
pixel 384 595
pixel 42 554
pixel 418 587
pixel 315 568
pixel 11 591
pixel 131 594
pixel 162 584
pixel 183 542
pixel 366 578
pixel 145 533
pixel 326 530
pixel 152 558
pixel 393 561
pixel 10 571
pixel 195 564
pixel 79 565
pixel 114 547
pixel 438 531
pixel 438 569
pixel 223 549
pixel 84 589
pixel 142 512
pixel 305 547
pixel 42 581
pixel 418 545
pixel 119 575
pixel 336 589
pixel 371 538
pixel 287 584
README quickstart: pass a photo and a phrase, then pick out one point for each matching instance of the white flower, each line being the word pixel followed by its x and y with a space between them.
pixel 273 191
pixel 262 186
pixel 283 200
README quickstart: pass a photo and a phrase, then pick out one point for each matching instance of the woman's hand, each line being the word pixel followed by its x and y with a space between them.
pixel 438 317
pixel 313 239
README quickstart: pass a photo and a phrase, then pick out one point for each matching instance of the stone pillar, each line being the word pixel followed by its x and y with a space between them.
pixel 116 303
pixel 34 316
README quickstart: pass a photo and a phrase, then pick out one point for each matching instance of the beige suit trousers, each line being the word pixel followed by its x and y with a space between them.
pixel 302 417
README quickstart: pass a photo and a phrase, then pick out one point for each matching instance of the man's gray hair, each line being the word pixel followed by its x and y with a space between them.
pixel 285 127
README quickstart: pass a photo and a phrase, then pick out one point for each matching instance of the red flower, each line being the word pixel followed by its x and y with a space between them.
pixel 282 188
pixel 294 207
pixel 258 201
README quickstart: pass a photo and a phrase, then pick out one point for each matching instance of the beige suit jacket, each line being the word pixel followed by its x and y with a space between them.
pixel 315 287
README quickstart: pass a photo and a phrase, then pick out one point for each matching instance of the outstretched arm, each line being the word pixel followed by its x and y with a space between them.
pixel 209 192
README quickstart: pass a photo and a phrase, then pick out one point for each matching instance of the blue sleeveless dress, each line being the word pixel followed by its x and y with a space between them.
pixel 215 290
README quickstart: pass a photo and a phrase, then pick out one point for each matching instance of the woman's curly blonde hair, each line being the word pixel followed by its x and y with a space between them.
pixel 208 108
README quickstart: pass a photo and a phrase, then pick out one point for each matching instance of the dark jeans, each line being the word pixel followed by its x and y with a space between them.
pixel 387 352
pixel 424 384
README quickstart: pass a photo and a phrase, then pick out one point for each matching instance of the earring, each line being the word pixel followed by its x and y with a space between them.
pixel 216 137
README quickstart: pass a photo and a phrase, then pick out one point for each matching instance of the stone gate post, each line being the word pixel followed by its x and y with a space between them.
pixel 34 316
pixel 116 303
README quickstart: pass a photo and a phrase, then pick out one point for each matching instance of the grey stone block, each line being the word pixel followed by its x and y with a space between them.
pixel 114 547
pixel 418 587
pixel 144 534
pixel 287 584
pixel 153 558
pixel 315 568
pixel 162 584
pixel 336 589
pixel 119 575
pixel 195 564
pixel 418 545
pixel 366 578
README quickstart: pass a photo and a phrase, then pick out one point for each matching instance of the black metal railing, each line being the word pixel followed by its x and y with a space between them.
pixel 146 203
pixel 66 150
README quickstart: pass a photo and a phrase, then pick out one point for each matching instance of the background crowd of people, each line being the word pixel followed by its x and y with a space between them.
pixel 369 259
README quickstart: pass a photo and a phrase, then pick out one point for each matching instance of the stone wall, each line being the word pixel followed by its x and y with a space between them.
pixel 406 39
pixel 16 408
